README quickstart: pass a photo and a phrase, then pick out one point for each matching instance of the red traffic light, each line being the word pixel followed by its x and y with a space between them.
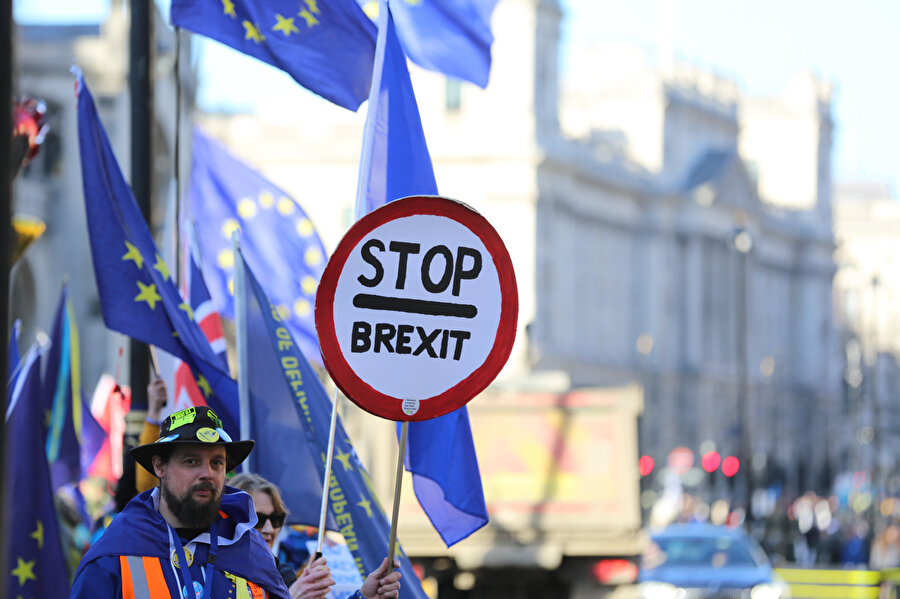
pixel 645 465
pixel 710 461
pixel 730 466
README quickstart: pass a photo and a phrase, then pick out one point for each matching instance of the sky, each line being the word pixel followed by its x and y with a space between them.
pixel 759 44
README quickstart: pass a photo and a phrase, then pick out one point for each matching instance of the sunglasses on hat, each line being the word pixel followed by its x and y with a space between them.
pixel 277 520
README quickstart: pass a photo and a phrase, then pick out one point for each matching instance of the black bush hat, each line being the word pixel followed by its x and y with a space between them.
pixel 197 426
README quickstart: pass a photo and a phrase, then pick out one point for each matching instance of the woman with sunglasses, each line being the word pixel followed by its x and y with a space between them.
pixel 315 581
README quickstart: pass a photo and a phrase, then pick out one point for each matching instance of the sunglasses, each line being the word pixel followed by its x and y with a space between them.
pixel 277 520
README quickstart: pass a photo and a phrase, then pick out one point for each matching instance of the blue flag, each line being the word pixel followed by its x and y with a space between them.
pixel 440 452
pixel 448 36
pixel 325 45
pixel 351 497
pixel 36 566
pixel 73 436
pixel 137 295
pixel 277 238
pixel 283 453
pixel 396 163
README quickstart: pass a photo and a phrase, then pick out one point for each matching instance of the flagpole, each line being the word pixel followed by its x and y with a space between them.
pixel 323 511
pixel 398 485
pixel 240 333
pixel 364 165
pixel 177 157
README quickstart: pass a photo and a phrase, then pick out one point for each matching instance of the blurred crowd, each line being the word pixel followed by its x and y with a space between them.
pixel 811 530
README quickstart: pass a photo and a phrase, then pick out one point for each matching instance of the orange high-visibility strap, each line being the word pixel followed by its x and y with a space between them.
pixel 142 578
pixel 127 587
pixel 256 590
pixel 156 582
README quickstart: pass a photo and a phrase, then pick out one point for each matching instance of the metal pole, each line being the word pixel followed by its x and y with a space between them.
pixel 6 174
pixel 141 87
pixel 177 157
pixel 240 336
pixel 743 248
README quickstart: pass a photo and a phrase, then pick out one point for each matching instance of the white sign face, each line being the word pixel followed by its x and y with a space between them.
pixel 416 311
pixel 417 306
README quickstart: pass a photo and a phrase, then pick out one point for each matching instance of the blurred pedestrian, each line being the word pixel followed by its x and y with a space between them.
pixel 885 551
pixel 855 550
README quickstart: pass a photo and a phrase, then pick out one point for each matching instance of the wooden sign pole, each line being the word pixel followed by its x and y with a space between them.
pixel 398 483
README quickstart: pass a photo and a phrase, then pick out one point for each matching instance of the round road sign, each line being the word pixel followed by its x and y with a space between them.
pixel 416 310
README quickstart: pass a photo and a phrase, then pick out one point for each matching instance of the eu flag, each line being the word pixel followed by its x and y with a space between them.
pixel 448 36
pixel 396 164
pixel 137 295
pixel 36 567
pixel 283 453
pixel 440 452
pixel 352 502
pixel 277 238
pixel 73 437
pixel 325 45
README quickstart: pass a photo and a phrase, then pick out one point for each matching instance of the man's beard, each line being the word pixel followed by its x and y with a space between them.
pixel 191 513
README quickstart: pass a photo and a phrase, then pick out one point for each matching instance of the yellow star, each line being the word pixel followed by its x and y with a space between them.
pixel 344 458
pixel 48 417
pixel 302 308
pixel 161 267
pixel 313 257
pixel 38 534
pixel 371 9
pixel 366 505
pixel 228 5
pixel 308 284
pixel 188 310
pixel 24 571
pixel 148 294
pixel 304 227
pixel 204 386
pixel 313 6
pixel 133 254
pixel 253 32
pixel 285 26
pixel 266 199
pixel 311 21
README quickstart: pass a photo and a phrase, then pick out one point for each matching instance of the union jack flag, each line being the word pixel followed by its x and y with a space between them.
pixel 187 392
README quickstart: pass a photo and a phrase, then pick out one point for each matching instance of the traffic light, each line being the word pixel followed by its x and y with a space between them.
pixel 645 465
pixel 730 466
pixel 710 461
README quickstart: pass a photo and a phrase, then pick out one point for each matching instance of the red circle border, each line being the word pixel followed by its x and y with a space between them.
pixel 359 391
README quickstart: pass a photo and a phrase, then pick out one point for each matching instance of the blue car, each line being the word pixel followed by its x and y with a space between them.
pixel 702 561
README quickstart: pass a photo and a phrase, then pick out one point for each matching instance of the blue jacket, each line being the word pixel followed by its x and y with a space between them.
pixel 141 532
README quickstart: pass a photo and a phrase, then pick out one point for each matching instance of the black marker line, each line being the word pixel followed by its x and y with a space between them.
pixel 413 306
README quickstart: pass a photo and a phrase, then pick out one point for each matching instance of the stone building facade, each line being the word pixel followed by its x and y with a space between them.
pixel 664 228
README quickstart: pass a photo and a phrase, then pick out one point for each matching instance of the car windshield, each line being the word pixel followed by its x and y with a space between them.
pixel 700 552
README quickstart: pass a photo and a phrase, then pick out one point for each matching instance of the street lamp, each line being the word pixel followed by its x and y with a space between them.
pixel 742 242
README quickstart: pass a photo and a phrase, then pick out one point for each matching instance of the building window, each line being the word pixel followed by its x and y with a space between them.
pixel 453 95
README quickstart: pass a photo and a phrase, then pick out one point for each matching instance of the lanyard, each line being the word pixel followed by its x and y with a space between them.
pixel 186 570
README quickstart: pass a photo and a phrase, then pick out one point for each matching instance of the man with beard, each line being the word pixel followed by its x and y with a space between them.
pixel 192 518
